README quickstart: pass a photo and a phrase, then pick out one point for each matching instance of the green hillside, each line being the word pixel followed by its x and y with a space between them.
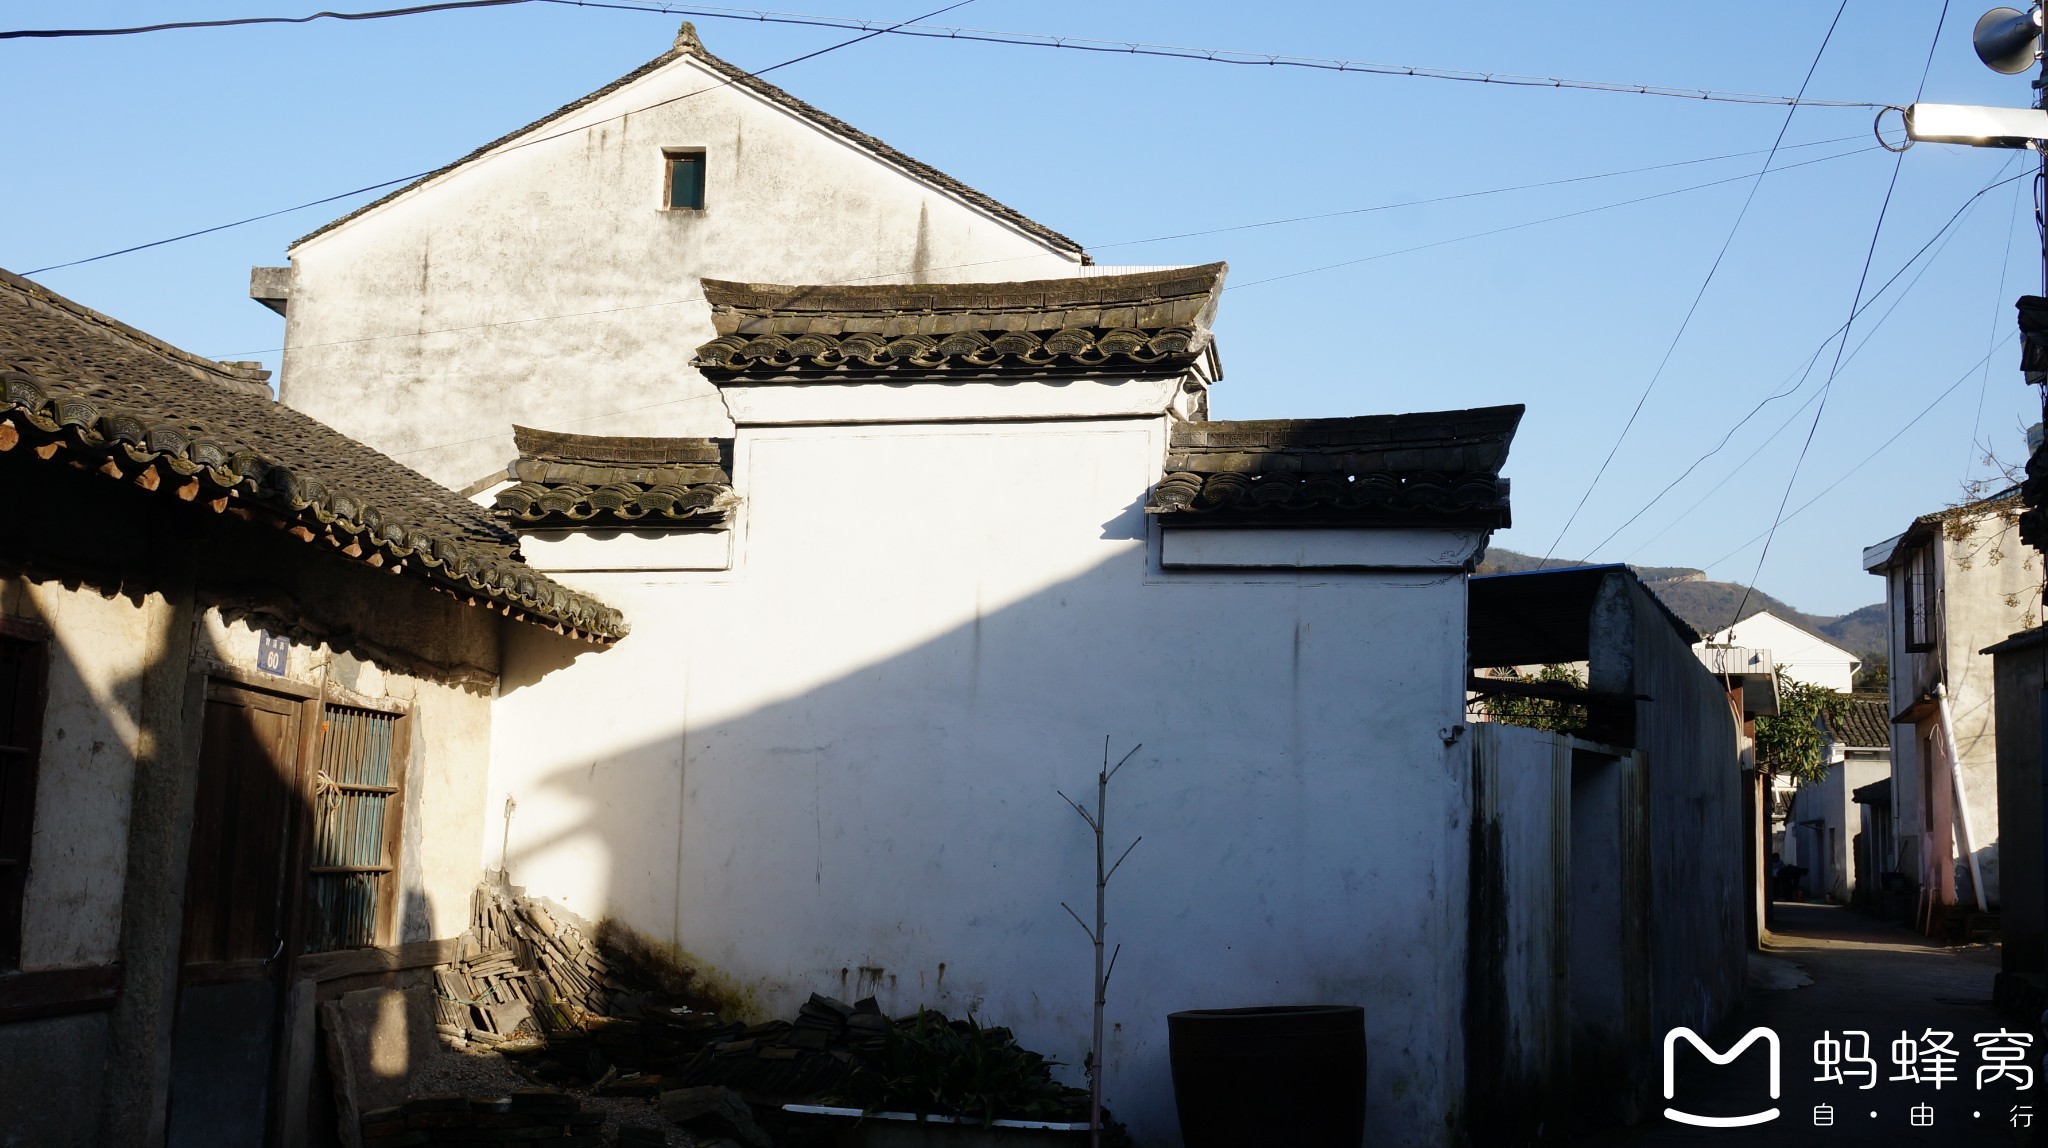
pixel 1707 606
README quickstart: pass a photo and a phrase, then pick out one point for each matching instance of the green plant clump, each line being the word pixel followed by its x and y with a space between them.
pixel 1540 713
pixel 934 1066
pixel 1791 743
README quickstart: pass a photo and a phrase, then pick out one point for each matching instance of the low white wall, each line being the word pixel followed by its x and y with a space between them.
pixel 834 767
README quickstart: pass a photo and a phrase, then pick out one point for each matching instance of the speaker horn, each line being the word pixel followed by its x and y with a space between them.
pixel 2007 40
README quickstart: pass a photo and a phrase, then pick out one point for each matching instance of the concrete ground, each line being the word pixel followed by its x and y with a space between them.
pixel 1867 975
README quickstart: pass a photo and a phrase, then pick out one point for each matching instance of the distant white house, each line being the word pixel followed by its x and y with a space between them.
pixel 1806 656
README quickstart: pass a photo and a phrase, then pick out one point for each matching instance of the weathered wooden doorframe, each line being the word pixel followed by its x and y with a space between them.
pixel 300 704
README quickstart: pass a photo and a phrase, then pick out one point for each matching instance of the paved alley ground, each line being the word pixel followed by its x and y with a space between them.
pixel 1874 977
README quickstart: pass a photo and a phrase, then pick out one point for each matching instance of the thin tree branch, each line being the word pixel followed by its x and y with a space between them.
pixel 1120 860
pixel 1085 815
pixel 1111 971
pixel 1126 757
pixel 1079 921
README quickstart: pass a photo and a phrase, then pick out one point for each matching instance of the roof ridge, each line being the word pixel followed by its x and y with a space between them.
pixel 687 45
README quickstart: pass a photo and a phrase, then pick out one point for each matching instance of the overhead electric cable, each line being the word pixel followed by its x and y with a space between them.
pixel 1942 235
pixel 1727 241
pixel 225 226
pixel 415 10
pixel 1997 314
pixel 1460 195
pixel 1872 456
pixel 919 29
pixel 698 298
pixel 1536 222
pixel 1214 55
pixel 501 151
pixel 1785 424
pixel 1827 388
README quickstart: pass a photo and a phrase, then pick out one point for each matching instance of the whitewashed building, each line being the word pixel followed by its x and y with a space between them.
pixel 911 508
pixel 1806 656
pixel 551 277
pixel 1956 582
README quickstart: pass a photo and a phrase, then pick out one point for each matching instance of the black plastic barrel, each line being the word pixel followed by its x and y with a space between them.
pixel 1285 1074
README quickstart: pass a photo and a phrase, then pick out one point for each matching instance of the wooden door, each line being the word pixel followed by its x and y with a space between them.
pixel 240 891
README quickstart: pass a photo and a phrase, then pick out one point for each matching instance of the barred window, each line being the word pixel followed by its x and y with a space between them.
pixel 351 878
pixel 1920 604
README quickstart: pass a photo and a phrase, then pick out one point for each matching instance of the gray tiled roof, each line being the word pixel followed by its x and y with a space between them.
pixel 1440 467
pixel 1130 323
pixel 688 45
pixel 1865 723
pixel 585 480
pixel 87 388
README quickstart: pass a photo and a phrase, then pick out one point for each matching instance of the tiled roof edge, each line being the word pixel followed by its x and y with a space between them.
pixel 740 77
pixel 165 457
pixel 247 381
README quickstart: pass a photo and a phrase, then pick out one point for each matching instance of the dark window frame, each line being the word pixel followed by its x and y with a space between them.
pixel 684 158
pixel 1917 584
pixel 21 745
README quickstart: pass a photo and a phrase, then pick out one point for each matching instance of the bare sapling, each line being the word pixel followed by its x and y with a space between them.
pixel 1096 822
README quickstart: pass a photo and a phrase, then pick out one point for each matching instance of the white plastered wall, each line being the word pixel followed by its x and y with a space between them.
pixel 78 859
pixel 406 324
pixel 833 767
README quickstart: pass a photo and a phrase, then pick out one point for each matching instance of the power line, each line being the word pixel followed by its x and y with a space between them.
pixel 1997 309
pixel 1536 222
pixel 224 226
pixel 1726 242
pixel 1462 195
pixel 698 298
pixel 418 9
pixel 1827 388
pixel 1786 424
pixel 920 30
pixel 1215 55
pixel 871 29
pixel 511 147
pixel 1941 235
pixel 1872 456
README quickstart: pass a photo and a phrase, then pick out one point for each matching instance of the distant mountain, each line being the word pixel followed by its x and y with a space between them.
pixel 1707 606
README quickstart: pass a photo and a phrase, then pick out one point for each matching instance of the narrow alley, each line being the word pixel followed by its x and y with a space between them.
pixel 1867 976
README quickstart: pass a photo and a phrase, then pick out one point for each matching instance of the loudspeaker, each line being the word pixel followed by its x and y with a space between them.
pixel 2007 40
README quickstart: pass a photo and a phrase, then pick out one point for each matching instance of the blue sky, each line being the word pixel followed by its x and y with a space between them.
pixel 125 140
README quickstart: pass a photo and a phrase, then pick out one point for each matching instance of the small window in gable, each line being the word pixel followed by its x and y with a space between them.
pixel 685 180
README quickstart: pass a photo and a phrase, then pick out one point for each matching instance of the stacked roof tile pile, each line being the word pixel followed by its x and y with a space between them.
pixel 77 387
pixel 1143 323
pixel 1439 468
pixel 795 1059
pixel 572 480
